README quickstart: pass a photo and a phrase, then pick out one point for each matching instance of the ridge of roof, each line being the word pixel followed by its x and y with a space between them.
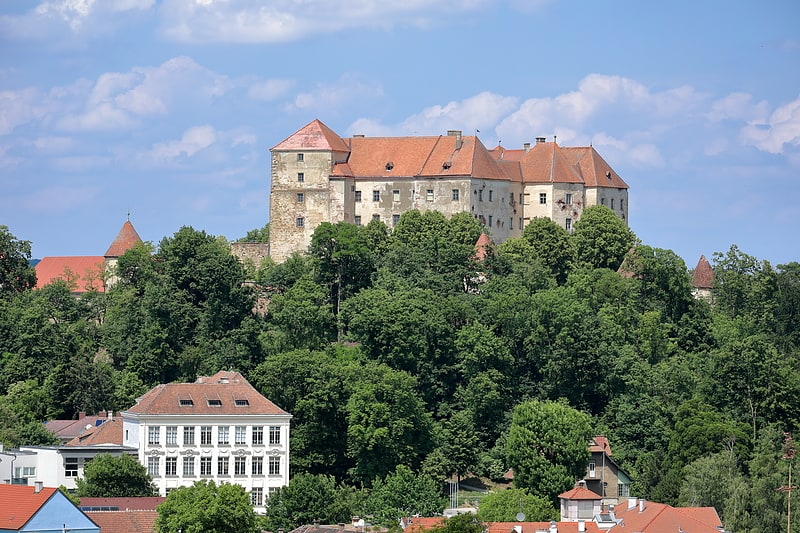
pixel 313 136
pixel 20 503
pixel 125 240
pixel 85 271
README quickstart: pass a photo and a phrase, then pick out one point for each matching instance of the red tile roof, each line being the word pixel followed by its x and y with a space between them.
pixel 534 527
pixel 600 444
pixel 545 163
pixel 109 432
pixel 143 503
pixel 69 429
pixel 82 273
pixel 594 169
pixel 580 493
pixel 313 136
pixel 224 393
pixel 703 275
pixel 481 246
pixel 126 238
pixel 124 521
pixel 20 503
pixel 661 518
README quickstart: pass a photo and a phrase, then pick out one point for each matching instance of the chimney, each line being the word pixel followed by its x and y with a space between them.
pixel 631 503
pixel 581 526
pixel 457 135
pixel 81 415
pixel 37 487
pixel 111 415
pixel 540 140
pixel 553 527
pixel 526 147
pixel 517 528
pixel 641 505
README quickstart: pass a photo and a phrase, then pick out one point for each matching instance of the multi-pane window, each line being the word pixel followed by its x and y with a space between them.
pixel 569 199
pixel 240 466
pixel 241 435
pixel 258 434
pixel 274 434
pixel 376 196
pixel 455 195
pixel 301 197
pixel 153 434
pixel 71 467
pixel 395 219
pixel 188 435
pixel 429 195
pixel 358 196
pixel 257 496
pixel 357 220
pixel 568 224
pixel 272 491
pixel 301 177
pixel 542 198
pixel 153 466
pixel 223 464
pixel 188 466
pixel 300 222
pixel 300 157
pixel 376 217
pixel 172 435
pixel 171 466
pixel 257 466
pixel 274 466
pixel 205 435
pixel 623 490
pixel 223 435
pixel 205 466
pixel 395 195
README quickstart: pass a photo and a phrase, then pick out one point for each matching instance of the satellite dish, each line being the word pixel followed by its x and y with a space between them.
pixel 520 516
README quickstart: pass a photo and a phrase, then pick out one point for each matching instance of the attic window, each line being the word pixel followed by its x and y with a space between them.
pixel 242 403
pixel 608 174
pixel 186 402
pixel 447 164
pixel 214 402
pixel 389 165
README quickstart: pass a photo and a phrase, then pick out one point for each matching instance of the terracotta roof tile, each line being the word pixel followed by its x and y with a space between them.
pixel 481 245
pixel 600 444
pixel 143 503
pixel 125 240
pixel 595 170
pixel 534 527
pixel 313 136
pixel 83 273
pixel 20 503
pixel 68 429
pixel 224 393
pixel 124 521
pixel 545 163
pixel 580 493
pixel 703 275
pixel 109 432
pixel 661 518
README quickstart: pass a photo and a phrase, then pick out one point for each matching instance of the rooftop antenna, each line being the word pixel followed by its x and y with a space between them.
pixel 129 215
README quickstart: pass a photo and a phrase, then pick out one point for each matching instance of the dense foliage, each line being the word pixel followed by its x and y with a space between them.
pixel 398 348
pixel 107 476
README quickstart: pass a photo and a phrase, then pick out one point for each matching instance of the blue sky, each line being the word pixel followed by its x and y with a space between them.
pixel 168 108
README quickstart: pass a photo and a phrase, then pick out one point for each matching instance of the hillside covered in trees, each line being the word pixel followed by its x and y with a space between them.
pixel 402 347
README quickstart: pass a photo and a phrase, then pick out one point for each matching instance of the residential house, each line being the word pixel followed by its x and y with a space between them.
pixel 41 510
pixel 63 465
pixel 603 475
pixel 643 516
pixel 580 503
pixel 123 515
pixel 420 525
pixel 218 428
pixel 66 430
pixel 318 176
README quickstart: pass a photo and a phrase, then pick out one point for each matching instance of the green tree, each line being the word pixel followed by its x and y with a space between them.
pixel 601 238
pixel 464 523
pixel 716 481
pixel 403 493
pixel 504 505
pixel 551 245
pixel 305 499
pixel 107 476
pixel 16 273
pixel 547 447
pixel 257 235
pixel 206 506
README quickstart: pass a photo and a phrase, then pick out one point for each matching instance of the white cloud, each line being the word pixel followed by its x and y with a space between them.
pixel 737 107
pixel 57 199
pixel 327 96
pixel 270 89
pixel 193 140
pixel 17 108
pixel 781 128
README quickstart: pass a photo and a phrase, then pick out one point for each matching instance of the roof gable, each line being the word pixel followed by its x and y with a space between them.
pixel 651 517
pixel 125 240
pixel 109 432
pixel 580 493
pixel 313 136
pixel 545 163
pixel 596 172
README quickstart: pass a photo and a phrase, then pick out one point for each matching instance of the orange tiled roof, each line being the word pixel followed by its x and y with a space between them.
pixel 593 168
pixel 20 503
pixel 533 527
pixel 124 521
pixel 580 493
pixel 661 518
pixel 84 273
pixel 313 136
pixel 600 444
pixel 68 429
pixel 125 240
pixel 224 393
pixel 481 245
pixel 703 275
pixel 109 432
pixel 142 503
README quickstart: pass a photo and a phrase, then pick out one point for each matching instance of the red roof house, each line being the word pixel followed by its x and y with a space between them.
pixel 34 508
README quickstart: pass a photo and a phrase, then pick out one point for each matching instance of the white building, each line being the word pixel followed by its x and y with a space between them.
pixel 218 428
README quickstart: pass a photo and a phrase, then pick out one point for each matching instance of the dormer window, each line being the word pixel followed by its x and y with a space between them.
pixel 186 402
pixel 389 165
pixel 244 402
pixel 214 402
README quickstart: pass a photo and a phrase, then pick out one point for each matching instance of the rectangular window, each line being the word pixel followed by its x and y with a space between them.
pixel 274 466
pixel 490 221
pixel 300 157
pixel 205 435
pixel 71 467
pixel 300 222
pixel 520 223
pixel 395 196
pixel 602 201
pixel 301 177
pixel 274 434
pixel 592 469
pixel 376 196
pixel 480 195
pixel 223 436
pixel 223 464
pixel 153 466
pixel 622 205
pixel 510 223
pixel 205 466
pixel 171 466
pixel 28 471
pixel 522 198
pixel 376 217
pixel 568 224
pixel 490 195
pixel 240 466
pixel 241 435
pixel 172 435
pixel 188 467
pixel 542 197
pixel 242 402
pixel 358 196
pixel 612 203
pixel 569 199
pixel 429 195
pixel 258 434
pixel 257 496
pixel 153 434
pixel 301 198
pixel 188 436
pixel 214 402
pixel 455 195
pixel 186 402
pixel 258 466
pixel 395 219
pixel 272 491
pixel 357 220
pixel 623 490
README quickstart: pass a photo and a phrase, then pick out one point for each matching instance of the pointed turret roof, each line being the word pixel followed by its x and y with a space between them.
pixel 126 238
pixel 703 275
pixel 313 136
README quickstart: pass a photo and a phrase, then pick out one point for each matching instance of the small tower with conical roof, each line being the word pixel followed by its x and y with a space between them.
pixel 125 240
pixel 702 279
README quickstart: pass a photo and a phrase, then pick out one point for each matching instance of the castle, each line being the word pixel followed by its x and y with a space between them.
pixel 318 176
